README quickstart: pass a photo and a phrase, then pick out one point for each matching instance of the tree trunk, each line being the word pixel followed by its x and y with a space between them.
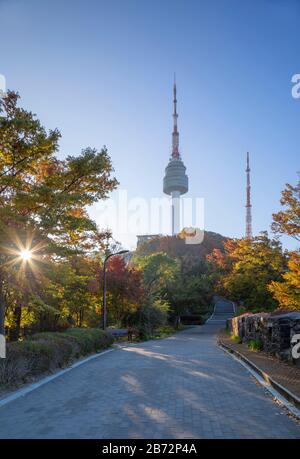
pixel 15 331
pixel 2 310
pixel 80 318
pixel 177 322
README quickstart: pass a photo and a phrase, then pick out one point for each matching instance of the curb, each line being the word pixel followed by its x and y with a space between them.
pixel 16 394
pixel 289 396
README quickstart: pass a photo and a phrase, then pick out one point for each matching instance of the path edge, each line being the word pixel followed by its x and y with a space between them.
pixel 30 388
pixel 289 400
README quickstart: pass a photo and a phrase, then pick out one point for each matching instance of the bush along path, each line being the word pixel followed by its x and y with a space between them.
pixel 48 351
pixel 181 387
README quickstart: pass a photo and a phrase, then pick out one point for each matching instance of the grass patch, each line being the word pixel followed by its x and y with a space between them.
pixel 235 338
pixel 255 345
pixel 163 332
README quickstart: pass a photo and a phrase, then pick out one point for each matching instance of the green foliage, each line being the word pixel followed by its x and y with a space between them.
pixel 152 315
pixel 89 339
pixel 246 269
pixel 193 291
pixel 166 330
pixel 185 283
pixel 235 338
pixel 255 345
pixel 176 247
pixel 159 271
pixel 43 203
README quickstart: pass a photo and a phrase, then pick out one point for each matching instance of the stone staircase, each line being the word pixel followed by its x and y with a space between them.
pixel 223 310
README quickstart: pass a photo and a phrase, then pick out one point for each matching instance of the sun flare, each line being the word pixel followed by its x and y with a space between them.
pixel 26 254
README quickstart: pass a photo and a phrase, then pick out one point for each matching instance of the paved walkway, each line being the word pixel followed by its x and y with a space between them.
pixel 181 387
pixel 283 373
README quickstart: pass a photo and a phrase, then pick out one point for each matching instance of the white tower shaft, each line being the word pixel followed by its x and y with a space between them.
pixel 175 196
pixel 248 203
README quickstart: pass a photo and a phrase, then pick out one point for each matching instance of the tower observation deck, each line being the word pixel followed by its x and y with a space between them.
pixel 175 180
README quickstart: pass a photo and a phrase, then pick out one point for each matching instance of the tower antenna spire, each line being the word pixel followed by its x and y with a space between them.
pixel 248 202
pixel 176 181
pixel 175 133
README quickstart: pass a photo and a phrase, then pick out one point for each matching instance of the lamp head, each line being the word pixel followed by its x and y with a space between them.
pixel 122 252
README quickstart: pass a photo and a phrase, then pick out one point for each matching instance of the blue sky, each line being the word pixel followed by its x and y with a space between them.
pixel 102 73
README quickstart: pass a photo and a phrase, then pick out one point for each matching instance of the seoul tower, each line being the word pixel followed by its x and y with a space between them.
pixel 248 203
pixel 175 180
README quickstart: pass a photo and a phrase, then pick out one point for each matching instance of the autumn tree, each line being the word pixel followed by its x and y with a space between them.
pixel 246 269
pixel 287 221
pixel 185 286
pixel 159 274
pixel 177 248
pixel 124 291
pixel 193 292
pixel 287 293
pixel 159 270
pixel 43 199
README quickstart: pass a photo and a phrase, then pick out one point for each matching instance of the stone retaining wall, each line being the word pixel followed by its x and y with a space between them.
pixel 273 331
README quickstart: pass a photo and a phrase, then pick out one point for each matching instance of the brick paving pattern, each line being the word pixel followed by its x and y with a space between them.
pixel 283 373
pixel 181 387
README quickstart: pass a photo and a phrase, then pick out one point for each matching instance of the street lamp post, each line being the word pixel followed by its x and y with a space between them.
pixel 122 252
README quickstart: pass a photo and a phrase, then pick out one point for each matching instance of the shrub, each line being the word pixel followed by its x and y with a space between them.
pixel 255 345
pixel 167 330
pixel 236 338
pixel 65 347
pixel 90 339
pixel 152 315
pixel 45 352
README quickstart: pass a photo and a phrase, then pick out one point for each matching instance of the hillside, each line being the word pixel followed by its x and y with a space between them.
pixel 176 247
